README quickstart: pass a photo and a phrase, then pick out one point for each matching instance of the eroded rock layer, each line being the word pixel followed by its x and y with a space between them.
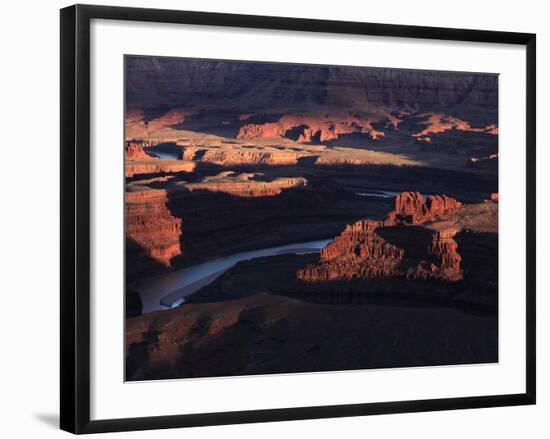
pixel 135 151
pixel 169 81
pixel 151 226
pixel 155 166
pixel 411 208
pixel 239 156
pixel 395 247
pixel 312 128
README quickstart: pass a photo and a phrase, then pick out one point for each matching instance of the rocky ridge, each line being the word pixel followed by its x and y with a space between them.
pixel 312 128
pixel 135 151
pixel 394 247
pixel 170 81
pixel 152 227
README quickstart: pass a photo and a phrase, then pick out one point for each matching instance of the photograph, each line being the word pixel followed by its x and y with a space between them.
pixel 297 218
pixel 270 220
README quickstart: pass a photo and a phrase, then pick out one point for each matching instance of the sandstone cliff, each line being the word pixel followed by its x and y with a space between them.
pixel 395 247
pixel 156 166
pixel 245 185
pixel 135 151
pixel 411 208
pixel 313 128
pixel 439 123
pixel 240 156
pixel 150 224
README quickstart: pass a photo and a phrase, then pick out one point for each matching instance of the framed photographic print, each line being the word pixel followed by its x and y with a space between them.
pixel 269 218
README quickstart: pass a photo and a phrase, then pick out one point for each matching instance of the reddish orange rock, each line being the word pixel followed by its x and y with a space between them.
pixel 311 128
pixel 151 225
pixel 395 247
pixel 138 167
pixel 411 208
pixel 135 151
pixel 444 251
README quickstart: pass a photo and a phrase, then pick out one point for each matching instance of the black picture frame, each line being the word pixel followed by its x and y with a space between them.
pixel 75 217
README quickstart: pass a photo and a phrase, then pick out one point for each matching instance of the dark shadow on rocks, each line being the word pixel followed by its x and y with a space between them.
pixel 134 305
pixel 308 160
pixel 273 334
pixel 353 140
pixel 138 263
pixel 138 354
pixel 216 224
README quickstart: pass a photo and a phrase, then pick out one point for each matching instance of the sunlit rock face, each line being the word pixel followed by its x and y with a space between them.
pixel 395 247
pixel 135 151
pixel 411 208
pixel 313 127
pixel 439 123
pixel 253 118
pixel 152 227
pixel 148 166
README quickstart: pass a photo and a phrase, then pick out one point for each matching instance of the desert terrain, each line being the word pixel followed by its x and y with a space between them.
pixel 292 218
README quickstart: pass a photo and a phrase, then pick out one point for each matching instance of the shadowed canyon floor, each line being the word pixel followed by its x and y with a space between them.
pixel 394 171
pixel 273 334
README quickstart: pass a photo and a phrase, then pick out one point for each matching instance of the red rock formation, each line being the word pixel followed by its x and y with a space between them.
pixel 239 156
pixel 439 123
pixel 245 186
pixel 311 128
pixel 411 208
pixel 357 253
pixel 363 251
pixel 151 225
pixel 155 166
pixel 446 265
pixel 135 151
pixel 445 248
pixel 152 131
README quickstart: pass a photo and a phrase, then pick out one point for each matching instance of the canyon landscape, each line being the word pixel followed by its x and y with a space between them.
pixel 286 218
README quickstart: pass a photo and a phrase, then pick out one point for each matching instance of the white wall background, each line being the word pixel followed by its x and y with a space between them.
pixel 29 200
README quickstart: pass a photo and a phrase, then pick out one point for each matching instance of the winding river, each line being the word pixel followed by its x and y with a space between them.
pixel 170 290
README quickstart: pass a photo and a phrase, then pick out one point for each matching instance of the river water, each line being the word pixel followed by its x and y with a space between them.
pixel 378 194
pixel 171 289
pixel 165 155
pixel 382 194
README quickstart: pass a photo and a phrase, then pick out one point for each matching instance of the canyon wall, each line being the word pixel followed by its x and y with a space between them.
pixel 232 156
pixel 411 208
pixel 135 151
pixel 395 247
pixel 157 81
pixel 150 225
pixel 312 128
pixel 155 166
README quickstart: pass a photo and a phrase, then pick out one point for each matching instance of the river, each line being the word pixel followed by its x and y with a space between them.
pixel 164 155
pixel 382 194
pixel 170 290
pixel 378 194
